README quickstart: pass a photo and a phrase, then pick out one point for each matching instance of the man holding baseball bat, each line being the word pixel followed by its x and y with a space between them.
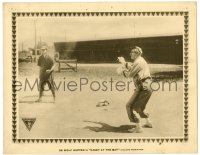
pixel 140 73
pixel 46 64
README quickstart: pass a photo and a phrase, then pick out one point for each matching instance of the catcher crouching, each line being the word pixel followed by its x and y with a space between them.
pixel 140 73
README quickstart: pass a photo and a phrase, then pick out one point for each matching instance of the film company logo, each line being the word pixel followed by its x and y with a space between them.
pixel 28 122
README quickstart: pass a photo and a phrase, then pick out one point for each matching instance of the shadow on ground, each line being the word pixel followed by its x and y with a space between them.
pixel 108 128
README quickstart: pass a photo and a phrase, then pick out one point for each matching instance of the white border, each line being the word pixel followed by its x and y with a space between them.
pixel 1 45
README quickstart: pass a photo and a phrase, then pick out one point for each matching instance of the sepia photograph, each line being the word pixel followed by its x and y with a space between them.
pixel 100 77
pixel 86 77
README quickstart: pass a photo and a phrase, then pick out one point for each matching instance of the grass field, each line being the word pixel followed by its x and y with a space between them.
pixel 75 115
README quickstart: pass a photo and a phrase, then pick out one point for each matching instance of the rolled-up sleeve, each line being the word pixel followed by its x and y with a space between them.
pixel 132 70
pixel 51 61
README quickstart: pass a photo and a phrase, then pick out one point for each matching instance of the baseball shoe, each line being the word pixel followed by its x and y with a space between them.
pixel 135 130
pixel 147 125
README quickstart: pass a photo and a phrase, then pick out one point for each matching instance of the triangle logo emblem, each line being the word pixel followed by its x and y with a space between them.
pixel 28 122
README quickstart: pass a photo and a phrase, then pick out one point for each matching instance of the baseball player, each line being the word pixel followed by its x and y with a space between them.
pixel 140 73
pixel 46 64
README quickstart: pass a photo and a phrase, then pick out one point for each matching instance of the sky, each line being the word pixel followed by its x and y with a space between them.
pixel 61 29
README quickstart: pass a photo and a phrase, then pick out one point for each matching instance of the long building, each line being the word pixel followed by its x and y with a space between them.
pixel 159 50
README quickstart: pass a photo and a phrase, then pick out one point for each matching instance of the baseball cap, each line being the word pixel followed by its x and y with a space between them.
pixel 44 48
pixel 137 49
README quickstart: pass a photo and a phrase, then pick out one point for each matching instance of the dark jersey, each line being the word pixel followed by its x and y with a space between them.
pixel 45 63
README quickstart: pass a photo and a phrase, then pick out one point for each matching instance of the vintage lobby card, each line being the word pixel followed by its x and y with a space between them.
pixel 100 78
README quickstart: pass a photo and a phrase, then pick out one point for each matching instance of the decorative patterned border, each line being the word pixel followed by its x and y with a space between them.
pixel 72 14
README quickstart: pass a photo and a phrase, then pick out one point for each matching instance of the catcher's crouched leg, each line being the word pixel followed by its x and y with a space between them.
pixel 136 117
pixel 130 108
pixel 132 114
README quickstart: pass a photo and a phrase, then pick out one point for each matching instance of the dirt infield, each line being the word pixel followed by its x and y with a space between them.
pixel 75 115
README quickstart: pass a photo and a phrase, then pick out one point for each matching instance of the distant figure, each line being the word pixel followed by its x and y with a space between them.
pixel 46 64
pixel 140 73
pixel 34 59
